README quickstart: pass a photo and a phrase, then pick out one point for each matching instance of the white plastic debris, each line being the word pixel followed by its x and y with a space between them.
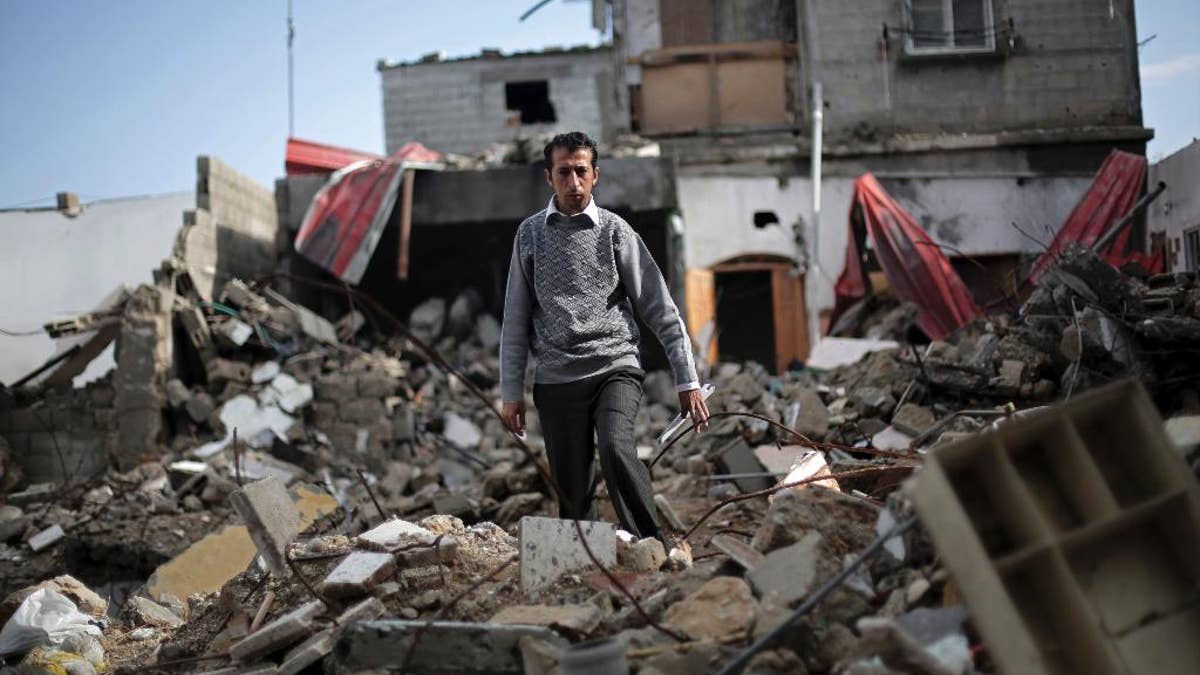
pixel 45 617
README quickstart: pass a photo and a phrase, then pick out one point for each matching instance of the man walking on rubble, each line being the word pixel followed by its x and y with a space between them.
pixel 578 274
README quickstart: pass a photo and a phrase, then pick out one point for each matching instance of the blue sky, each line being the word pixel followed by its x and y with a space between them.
pixel 117 97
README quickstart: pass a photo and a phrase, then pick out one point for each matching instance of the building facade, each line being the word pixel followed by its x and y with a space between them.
pixel 462 105
pixel 983 118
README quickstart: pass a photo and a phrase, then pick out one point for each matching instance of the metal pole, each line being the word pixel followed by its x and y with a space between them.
pixel 1120 224
pixel 291 35
pixel 814 256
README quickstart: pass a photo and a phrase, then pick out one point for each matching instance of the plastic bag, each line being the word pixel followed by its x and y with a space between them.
pixel 45 617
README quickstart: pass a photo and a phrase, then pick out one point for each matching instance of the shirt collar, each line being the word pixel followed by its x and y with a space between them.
pixel 591 211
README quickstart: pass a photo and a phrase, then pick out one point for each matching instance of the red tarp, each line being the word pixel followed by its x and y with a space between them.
pixel 346 218
pixel 305 157
pixel 916 268
pixel 1112 194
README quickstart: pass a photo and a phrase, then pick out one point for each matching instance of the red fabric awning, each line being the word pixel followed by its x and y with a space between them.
pixel 305 157
pixel 915 266
pixel 346 218
pixel 1112 194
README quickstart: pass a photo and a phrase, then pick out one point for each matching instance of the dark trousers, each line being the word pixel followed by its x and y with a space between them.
pixel 580 417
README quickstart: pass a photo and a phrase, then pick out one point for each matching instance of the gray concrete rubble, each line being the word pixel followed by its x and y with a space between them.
pixel 371 512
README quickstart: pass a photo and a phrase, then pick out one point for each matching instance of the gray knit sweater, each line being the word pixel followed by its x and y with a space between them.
pixel 573 287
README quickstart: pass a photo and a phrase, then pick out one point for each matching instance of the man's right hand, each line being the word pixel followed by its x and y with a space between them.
pixel 513 413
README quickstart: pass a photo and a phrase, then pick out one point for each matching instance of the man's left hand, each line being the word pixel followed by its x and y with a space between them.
pixel 692 403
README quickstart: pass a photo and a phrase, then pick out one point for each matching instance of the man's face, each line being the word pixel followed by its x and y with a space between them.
pixel 572 177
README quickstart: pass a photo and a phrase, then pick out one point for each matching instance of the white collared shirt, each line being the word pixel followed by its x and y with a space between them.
pixel 591 210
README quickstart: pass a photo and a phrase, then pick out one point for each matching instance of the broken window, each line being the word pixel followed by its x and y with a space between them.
pixel 531 100
pixel 949 26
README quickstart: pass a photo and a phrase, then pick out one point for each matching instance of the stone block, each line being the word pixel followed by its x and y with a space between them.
pixel 445 646
pixel 46 538
pixel 278 634
pixel 199 406
pixel 913 419
pixel 550 548
pixel 271 518
pixel 737 550
pixel 361 410
pixel 336 387
pixel 737 458
pixel 788 572
pixel 307 653
pixel 646 555
pixel 722 607
pixel 357 573
pixel 811 415
pixel 220 371
pixel 376 385
pixel 578 620
pixel 146 612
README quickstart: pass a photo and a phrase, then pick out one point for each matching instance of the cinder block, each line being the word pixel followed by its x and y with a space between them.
pixel 550 548
pixel 1067 532
pixel 271 518
pixel 277 634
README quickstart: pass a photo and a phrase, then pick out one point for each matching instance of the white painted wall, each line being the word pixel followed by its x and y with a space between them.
pixel 1178 208
pixel 643 33
pixel 56 267
pixel 971 214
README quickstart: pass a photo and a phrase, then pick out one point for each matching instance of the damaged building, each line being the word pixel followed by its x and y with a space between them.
pixel 296 463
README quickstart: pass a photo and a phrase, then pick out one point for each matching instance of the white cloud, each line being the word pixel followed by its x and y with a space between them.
pixel 1160 73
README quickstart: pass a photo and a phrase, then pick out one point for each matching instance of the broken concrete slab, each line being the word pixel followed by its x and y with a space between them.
pixel 913 419
pixel 668 513
pixel 445 646
pixel 550 548
pixel 205 566
pixel 892 440
pixel 788 572
pixel 46 538
pixel 357 573
pixel 412 544
pixel 779 460
pixel 271 518
pixel 303 655
pixel 720 608
pixel 146 612
pixel 738 458
pixel 832 352
pixel 277 634
pixel 577 620
pixel 738 551
pixel 807 414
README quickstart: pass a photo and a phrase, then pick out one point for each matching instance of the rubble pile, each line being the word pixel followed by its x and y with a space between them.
pixel 308 492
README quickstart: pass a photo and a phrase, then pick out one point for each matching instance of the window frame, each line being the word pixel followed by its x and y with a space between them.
pixel 989 32
pixel 1191 249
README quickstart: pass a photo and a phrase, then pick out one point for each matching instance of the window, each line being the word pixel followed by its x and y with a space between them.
pixel 530 100
pixel 949 26
pixel 1191 250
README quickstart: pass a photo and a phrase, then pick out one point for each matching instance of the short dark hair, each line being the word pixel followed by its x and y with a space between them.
pixel 572 141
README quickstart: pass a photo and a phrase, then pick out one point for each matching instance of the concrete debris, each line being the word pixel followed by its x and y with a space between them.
pixel 551 548
pixel 406 492
pixel 445 646
pixel 722 607
pixel 357 573
pixel 271 519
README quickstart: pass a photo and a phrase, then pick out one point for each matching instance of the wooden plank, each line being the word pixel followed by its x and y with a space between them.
pixel 728 51
pixel 752 93
pixel 700 292
pixel 676 98
pixel 406 197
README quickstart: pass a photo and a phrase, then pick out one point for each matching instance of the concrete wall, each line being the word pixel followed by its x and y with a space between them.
pixel 459 106
pixel 57 267
pixel 1177 210
pixel 1070 64
pixel 971 214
